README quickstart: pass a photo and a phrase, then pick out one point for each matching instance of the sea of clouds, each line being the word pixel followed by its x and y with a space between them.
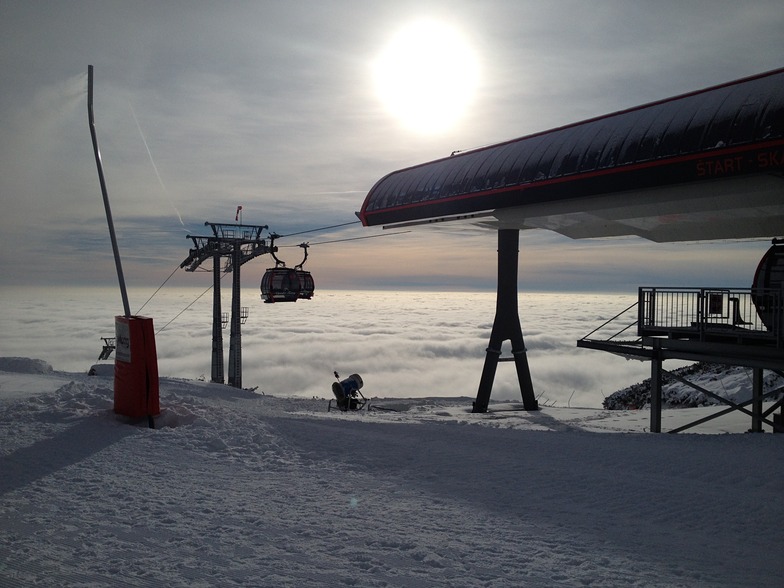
pixel 403 344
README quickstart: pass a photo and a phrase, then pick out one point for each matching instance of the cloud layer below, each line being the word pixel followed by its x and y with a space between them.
pixel 403 344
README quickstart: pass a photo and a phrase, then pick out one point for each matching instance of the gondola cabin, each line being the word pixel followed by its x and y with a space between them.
pixel 282 284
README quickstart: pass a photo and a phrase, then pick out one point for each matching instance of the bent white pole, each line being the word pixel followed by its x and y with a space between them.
pixel 109 220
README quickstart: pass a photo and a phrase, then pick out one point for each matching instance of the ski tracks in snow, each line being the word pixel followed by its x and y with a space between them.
pixel 235 489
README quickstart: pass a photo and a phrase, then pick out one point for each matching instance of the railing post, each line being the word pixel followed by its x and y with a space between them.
pixel 652 308
pixel 641 303
pixel 701 313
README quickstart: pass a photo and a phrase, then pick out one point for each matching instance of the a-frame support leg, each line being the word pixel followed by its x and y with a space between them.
pixel 506 326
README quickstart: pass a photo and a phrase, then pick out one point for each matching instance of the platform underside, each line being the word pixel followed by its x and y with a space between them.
pixel 731 208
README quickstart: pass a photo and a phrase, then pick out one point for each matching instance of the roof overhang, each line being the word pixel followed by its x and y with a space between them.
pixel 640 172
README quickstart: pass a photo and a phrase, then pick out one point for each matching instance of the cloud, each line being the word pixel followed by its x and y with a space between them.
pixel 403 344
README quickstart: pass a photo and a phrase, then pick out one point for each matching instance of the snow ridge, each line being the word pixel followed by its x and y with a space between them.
pixel 24 365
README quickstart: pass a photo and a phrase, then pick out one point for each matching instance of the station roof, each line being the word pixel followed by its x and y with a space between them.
pixel 704 165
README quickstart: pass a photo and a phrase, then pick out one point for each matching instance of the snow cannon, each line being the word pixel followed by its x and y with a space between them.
pixel 350 386
pixel 347 394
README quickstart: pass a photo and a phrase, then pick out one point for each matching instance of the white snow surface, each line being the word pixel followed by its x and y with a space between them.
pixel 233 488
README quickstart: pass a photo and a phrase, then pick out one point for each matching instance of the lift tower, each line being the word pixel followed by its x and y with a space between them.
pixel 238 243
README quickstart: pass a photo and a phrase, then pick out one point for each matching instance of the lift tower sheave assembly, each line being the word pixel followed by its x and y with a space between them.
pixel 239 244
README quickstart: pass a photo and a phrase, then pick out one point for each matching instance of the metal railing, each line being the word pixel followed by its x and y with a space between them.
pixel 610 331
pixel 734 312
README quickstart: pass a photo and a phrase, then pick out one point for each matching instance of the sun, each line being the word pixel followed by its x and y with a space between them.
pixel 427 76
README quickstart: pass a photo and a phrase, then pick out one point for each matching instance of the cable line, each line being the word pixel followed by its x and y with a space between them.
pixel 351 239
pixel 320 229
pixel 186 308
pixel 289 235
pixel 158 290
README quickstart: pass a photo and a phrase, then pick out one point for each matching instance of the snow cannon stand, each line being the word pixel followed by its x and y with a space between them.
pixel 136 369
pixel 347 394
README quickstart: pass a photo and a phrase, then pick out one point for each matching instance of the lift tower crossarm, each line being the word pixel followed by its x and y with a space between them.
pixel 234 231
pixel 223 241
pixel 204 248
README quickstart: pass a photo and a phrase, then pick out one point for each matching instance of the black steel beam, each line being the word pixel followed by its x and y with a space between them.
pixel 506 326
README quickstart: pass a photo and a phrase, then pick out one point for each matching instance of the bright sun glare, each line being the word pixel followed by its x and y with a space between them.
pixel 427 76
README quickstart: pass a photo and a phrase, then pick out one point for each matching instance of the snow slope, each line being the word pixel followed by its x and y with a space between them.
pixel 733 383
pixel 238 489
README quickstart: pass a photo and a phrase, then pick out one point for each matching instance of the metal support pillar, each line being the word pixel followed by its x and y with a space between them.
pixel 217 324
pixel 656 392
pixel 756 402
pixel 506 326
pixel 235 337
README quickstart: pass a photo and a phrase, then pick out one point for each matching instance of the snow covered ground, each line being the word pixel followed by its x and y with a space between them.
pixel 237 489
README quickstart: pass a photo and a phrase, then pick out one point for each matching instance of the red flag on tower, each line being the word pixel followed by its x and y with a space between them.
pixel 237 216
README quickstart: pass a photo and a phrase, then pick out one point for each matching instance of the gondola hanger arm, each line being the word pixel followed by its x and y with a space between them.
pixel 304 259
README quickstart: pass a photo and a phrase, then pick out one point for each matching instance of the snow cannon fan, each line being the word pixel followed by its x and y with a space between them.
pixel 350 386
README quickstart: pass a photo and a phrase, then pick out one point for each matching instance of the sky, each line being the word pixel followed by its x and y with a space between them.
pixel 202 107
